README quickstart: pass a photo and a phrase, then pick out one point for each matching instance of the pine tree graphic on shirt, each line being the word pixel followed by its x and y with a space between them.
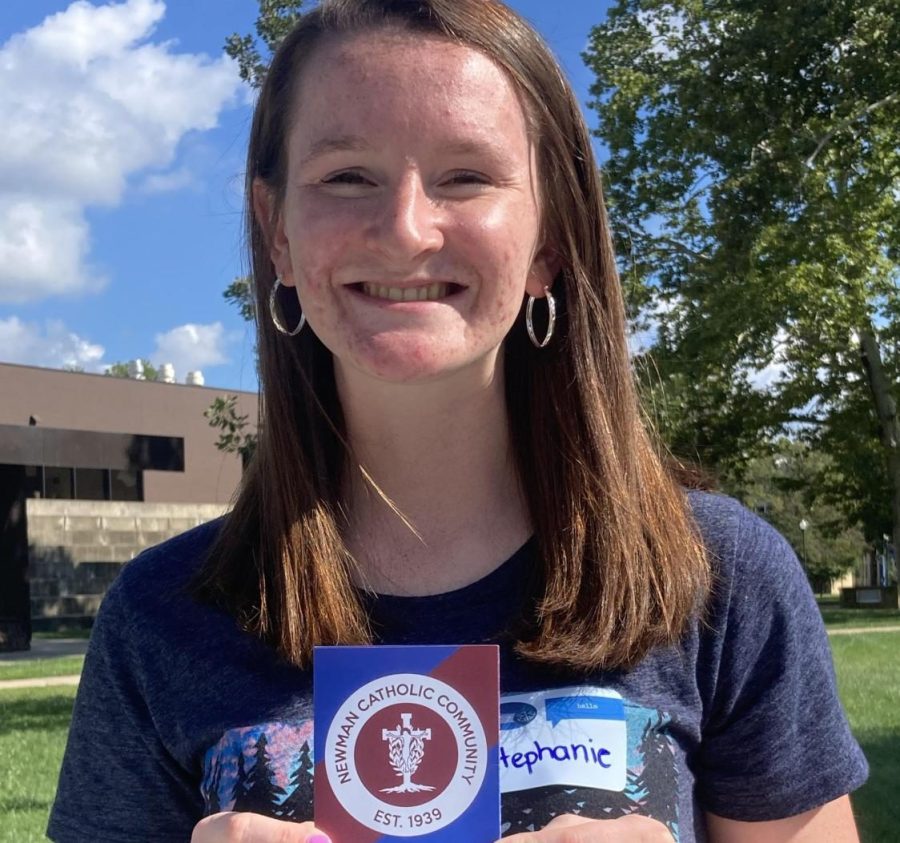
pixel 657 784
pixel 213 806
pixel 258 791
pixel 240 785
pixel 651 786
pixel 300 788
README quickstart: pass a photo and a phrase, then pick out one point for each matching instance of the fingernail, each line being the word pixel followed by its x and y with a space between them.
pixel 318 838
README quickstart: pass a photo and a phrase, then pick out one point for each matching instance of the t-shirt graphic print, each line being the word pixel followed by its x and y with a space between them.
pixel 574 750
pixel 585 751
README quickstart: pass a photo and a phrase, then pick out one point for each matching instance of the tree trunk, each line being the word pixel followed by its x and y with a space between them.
pixel 886 407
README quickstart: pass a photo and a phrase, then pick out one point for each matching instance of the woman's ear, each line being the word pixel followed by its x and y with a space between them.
pixel 544 269
pixel 270 221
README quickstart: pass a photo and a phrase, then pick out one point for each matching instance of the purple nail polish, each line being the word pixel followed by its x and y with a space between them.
pixel 318 838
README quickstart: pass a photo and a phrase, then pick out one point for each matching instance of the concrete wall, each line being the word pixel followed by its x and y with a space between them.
pixel 76 549
pixel 80 401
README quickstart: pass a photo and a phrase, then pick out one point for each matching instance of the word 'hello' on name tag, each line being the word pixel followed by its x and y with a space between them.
pixel 406 743
pixel 565 736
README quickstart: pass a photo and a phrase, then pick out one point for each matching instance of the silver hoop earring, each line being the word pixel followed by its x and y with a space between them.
pixel 551 319
pixel 276 320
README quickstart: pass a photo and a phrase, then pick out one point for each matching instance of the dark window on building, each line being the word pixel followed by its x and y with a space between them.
pixel 126 485
pixel 58 482
pixel 34 481
pixel 91 484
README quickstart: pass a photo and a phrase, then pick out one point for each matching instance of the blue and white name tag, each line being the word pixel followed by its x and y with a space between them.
pixel 565 736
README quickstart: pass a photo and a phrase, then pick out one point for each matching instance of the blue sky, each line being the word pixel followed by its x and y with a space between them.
pixel 121 160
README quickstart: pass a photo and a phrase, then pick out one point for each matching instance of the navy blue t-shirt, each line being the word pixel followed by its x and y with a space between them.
pixel 180 714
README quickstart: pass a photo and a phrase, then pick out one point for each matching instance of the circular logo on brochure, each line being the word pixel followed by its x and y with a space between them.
pixel 406 754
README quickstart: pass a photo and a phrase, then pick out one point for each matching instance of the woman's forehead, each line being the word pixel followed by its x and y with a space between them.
pixel 400 75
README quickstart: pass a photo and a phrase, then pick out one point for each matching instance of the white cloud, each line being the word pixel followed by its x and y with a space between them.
pixel 89 101
pixel 167 182
pixel 191 347
pixel 51 345
pixel 43 249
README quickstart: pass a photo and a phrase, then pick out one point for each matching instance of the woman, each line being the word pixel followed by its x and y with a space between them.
pixel 451 451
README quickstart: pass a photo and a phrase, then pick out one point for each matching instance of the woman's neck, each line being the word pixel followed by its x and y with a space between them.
pixel 441 453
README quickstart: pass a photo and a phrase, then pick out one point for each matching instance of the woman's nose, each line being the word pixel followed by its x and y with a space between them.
pixel 410 222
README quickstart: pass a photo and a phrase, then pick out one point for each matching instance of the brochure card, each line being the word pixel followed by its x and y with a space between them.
pixel 406 743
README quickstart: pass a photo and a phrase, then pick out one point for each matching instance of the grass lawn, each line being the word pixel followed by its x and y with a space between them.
pixel 39 668
pixel 868 671
pixel 33 727
pixel 837 617
pixel 65 632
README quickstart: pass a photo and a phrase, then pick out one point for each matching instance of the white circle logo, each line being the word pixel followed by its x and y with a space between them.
pixel 405 754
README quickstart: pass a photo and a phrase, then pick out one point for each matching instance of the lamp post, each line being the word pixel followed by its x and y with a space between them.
pixel 804 524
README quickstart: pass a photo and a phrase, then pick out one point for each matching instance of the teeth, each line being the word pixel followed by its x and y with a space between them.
pixel 432 292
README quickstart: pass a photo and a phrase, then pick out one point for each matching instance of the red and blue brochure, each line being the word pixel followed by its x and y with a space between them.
pixel 406 743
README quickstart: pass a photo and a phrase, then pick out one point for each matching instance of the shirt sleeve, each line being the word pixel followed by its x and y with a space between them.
pixel 118 782
pixel 776 741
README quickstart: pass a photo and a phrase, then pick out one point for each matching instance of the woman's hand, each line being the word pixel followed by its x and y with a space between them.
pixel 232 827
pixel 571 829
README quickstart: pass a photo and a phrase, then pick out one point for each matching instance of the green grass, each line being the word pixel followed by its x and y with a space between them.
pixel 837 617
pixel 41 668
pixel 66 632
pixel 33 727
pixel 868 670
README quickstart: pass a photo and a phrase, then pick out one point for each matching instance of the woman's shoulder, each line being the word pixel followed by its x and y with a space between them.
pixel 163 571
pixel 740 543
pixel 760 591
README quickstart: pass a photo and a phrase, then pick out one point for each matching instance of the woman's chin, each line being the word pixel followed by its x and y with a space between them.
pixel 414 363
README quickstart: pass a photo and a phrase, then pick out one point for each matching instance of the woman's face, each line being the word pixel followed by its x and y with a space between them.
pixel 410 223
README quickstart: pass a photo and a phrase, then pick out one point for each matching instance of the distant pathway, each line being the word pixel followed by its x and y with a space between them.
pixel 855 630
pixel 42 682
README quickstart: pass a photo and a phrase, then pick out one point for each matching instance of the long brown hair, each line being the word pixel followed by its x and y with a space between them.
pixel 622 566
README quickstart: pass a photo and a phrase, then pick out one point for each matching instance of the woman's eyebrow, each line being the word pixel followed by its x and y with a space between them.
pixel 357 143
pixel 339 143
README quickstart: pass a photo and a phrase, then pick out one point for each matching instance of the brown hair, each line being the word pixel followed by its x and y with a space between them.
pixel 622 566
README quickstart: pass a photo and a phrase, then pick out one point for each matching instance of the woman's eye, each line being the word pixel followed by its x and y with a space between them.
pixel 467 177
pixel 348 177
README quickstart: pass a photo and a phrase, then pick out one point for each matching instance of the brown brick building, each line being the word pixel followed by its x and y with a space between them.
pixel 92 469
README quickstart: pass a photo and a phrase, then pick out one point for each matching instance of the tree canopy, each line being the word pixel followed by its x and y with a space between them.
pixel 754 176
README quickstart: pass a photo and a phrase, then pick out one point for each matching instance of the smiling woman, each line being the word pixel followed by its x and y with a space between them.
pixel 409 224
pixel 451 451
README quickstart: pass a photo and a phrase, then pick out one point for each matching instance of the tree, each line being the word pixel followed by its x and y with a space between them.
pixel 276 19
pixel 213 805
pixel 753 179
pixel 657 783
pixel 298 805
pixel 234 437
pixel 256 790
pixel 784 487
pixel 121 370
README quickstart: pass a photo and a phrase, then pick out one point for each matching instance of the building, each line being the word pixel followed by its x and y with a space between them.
pixel 92 470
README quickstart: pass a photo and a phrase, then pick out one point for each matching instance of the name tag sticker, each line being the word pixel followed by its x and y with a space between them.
pixel 565 736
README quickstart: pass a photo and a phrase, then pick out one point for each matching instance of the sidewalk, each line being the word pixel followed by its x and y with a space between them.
pixel 857 630
pixel 45 682
pixel 43 648
pixel 46 648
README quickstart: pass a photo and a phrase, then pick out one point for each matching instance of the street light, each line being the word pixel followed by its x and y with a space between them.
pixel 804 524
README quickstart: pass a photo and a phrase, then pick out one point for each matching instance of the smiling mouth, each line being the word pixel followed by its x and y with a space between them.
pixel 428 292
